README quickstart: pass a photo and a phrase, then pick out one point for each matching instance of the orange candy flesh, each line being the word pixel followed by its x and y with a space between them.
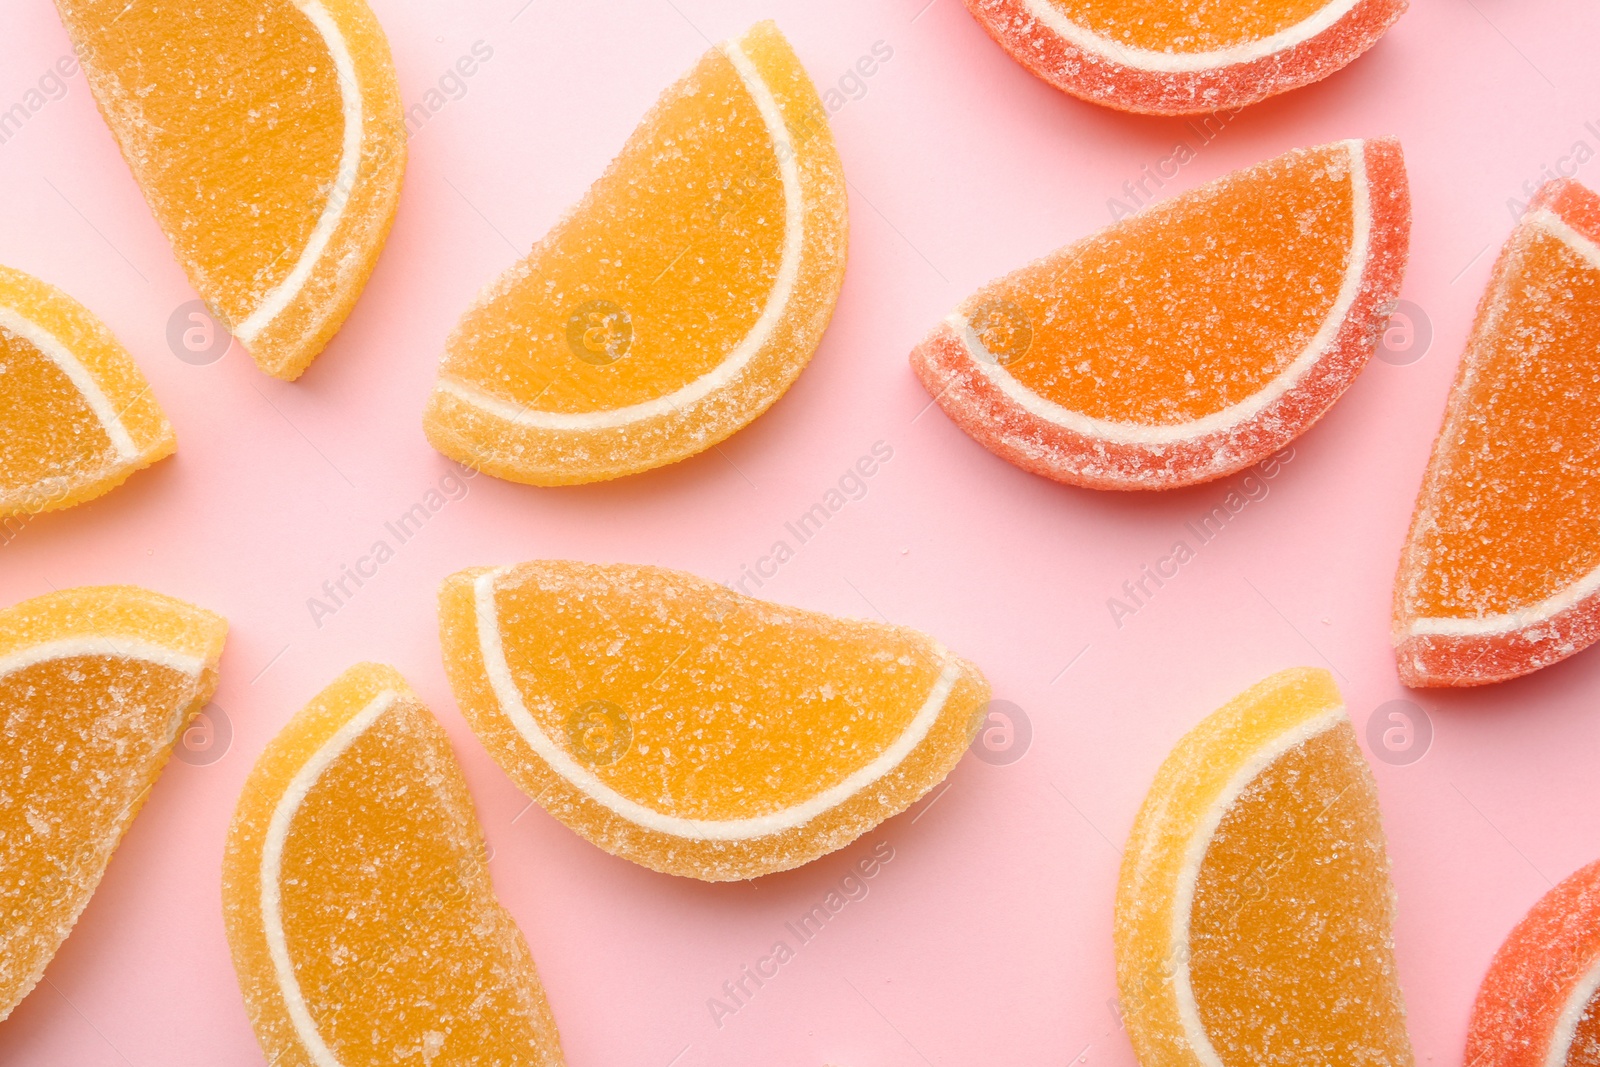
pixel 233 120
pixel 1538 1005
pixel 395 942
pixel 673 709
pixel 676 258
pixel 86 724
pixel 1255 910
pixel 1190 340
pixel 55 448
pixel 1190 26
pixel 1509 513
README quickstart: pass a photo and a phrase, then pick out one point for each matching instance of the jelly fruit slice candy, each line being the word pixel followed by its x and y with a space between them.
pixel 693 730
pixel 96 684
pixel 1501 571
pixel 357 900
pixel 676 302
pixel 1254 914
pixel 1190 340
pixel 268 140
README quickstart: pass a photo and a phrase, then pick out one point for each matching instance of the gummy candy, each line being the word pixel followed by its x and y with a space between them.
pixel 1186 57
pixel 76 414
pixel 96 684
pixel 1254 914
pixel 1190 340
pixel 269 143
pixel 357 898
pixel 1539 1005
pixel 695 730
pixel 1501 571
pixel 676 302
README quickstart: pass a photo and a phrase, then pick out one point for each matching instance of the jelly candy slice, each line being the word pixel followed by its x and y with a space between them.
pixel 1539 1005
pixel 1184 57
pixel 268 140
pixel 96 684
pixel 693 730
pixel 676 302
pixel 76 414
pixel 1501 571
pixel 356 894
pixel 1190 340
pixel 1254 912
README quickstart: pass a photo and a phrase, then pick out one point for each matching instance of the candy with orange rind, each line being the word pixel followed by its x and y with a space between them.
pixel 678 300
pixel 1501 571
pixel 1255 910
pixel 268 140
pixel 1191 340
pixel 1539 1005
pixel 1181 57
pixel 695 730
pixel 76 414
pixel 96 684
pixel 357 897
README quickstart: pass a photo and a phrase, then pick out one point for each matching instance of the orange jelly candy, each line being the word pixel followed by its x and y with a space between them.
pixel 693 730
pixel 95 686
pixel 1501 571
pixel 1177 57
pixel 1539 1005
pixel 356 895
pixel 676 302
pixel 1188 341
pixel 1254 914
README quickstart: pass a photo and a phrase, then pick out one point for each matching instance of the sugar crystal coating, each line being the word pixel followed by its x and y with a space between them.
pixel 357 897
pixel 676 302
pixel 695 730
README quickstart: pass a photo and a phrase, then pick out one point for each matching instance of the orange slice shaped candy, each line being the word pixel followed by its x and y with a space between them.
pixel 1184 57
pixel 96 684
pixel 76 414
pixel 693 730
pixel 1539 1005
pixel 267 138
pixel 1501 571
pixel 1254 914
pixel 676 302
pixel 356 893
pixel 1190 340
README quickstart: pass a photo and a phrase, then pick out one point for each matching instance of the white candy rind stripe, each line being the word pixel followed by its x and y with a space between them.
pixel 724 373
pixel 1566 1028
pixel 115 646
pixel 344 184
pixel 509 697
pixel 83 381
pixel 1572 595
pixel 1133 433
pixel 1146 59
pixel 272 871
pixel 1194 856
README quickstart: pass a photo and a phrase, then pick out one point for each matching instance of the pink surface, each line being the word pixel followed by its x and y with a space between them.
pixel 987 938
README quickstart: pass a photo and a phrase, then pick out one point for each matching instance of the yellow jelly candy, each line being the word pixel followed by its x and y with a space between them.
pixel 691 729
pixel 676 302
pixel 76 415
pixel 95 686
pixel 267 138
pixel 1254 915
pixel 356 894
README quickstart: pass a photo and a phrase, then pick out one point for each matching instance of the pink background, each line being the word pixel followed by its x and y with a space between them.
pixel 987 939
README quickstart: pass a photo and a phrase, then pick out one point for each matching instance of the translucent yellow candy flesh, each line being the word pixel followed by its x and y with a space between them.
pixel 1188 25
pixel 676 302
pixel 76 415
pixel 95 685
pixel 694 730
pixel 268 140
pixel 1255 910
pixel 356 893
